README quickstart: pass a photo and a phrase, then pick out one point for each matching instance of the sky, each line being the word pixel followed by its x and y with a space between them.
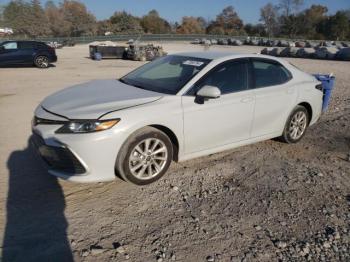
pixel 174 10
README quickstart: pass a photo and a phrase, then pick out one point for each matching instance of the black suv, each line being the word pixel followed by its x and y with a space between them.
pixel 27 53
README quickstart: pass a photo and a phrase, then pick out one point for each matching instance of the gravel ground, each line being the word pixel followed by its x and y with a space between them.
pixel 264 202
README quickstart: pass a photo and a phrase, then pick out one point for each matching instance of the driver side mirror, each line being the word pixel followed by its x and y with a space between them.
pixel 2 48
pixel 209 92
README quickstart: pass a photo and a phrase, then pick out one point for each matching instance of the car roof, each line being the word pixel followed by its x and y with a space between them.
pixel 22 41
pixel 207 54
pixel 223 55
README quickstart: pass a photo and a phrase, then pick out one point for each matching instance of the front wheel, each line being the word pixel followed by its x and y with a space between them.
pixel 145 156
pixel 296 125
pixel 41 61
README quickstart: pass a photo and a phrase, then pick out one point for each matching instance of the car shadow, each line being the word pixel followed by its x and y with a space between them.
pixel 35 222
pixel 25 66
pixel 105 58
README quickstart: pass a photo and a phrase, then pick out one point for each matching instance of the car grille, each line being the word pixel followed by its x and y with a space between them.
pixel 42 121
pixel 58 158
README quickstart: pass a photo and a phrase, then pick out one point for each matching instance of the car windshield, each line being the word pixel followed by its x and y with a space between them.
pixel 167 74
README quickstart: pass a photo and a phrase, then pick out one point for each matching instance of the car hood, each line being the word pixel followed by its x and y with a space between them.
pixel 96 98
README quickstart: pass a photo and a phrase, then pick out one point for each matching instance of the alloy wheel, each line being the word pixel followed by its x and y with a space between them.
pixel 148 158
pixel 42 62
pixel 298 125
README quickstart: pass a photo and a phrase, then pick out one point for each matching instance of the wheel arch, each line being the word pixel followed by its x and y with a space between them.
pixel 173 138
pixel 308 108
pixel 35 56
pixel 41 54
pixel 167 131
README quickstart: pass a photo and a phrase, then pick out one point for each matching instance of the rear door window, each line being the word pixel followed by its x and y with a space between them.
pixel 26 45
pixel 269 73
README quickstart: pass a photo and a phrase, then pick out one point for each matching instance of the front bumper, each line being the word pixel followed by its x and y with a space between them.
pixel 79 157
pixel 58 158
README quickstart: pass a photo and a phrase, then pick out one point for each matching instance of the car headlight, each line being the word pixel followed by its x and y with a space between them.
pixel 87 126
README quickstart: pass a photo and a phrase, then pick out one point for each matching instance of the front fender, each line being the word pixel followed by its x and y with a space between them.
pixel 165 112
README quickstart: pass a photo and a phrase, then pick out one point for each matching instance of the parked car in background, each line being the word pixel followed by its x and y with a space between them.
pixel 176 107
pixel 6 31
pixel 196 41
pixel 27 53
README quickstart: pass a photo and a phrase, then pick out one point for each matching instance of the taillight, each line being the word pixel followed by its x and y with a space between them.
pixel 319 87
pixel 51 49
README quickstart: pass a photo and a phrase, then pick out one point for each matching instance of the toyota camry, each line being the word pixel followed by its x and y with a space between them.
pixel 175 108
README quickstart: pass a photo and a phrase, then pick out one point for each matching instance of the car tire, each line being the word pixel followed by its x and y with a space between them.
pixel 144 157
pixel 41 61
pixel 296 126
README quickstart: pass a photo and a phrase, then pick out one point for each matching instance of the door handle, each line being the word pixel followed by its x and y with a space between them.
pixel 247 99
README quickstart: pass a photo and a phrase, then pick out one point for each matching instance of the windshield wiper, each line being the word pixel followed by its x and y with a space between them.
pixel 123 81
pixel 138 86
pixel 135 85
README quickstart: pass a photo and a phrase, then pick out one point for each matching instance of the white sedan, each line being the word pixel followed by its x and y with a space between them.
pixel 177 107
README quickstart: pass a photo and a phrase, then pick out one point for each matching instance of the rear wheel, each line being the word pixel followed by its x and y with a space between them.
pixel 145 156
pixel 41 61
pixel 296 125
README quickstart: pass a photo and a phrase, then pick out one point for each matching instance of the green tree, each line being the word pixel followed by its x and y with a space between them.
pixel 269 16
pixel 312 19
pixel 57 23
pixel 255 30
pixel 104 26
pixel 215 29
pixel 26 18
pixel 81 22
pixel 290 20
pixel 289 7
pixel 154 24
pixel 191 25
pixel 174 26
pixel 125 22
pixel 37 21
pixel 2 15
pixel 203 23
pixel 15 15
pixel 292 25
pixel 227 22
pixel 347 13
pixel 337 26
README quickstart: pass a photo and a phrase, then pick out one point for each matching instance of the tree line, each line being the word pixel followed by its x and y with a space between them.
pixel 71 18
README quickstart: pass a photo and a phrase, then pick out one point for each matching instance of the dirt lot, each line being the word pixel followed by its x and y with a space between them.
pixel 264 202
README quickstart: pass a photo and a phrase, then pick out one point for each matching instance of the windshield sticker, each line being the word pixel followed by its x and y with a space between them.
pixel 192 63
